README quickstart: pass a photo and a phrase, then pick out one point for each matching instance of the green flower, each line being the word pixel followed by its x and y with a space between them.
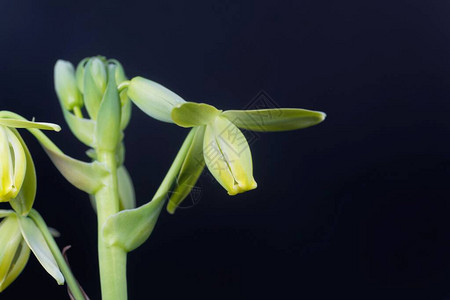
pixel 17 174
pixel 19 235
pixel 215 140
pixel 219 143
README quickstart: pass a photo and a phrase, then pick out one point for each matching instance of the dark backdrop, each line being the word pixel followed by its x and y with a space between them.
pixel 356 207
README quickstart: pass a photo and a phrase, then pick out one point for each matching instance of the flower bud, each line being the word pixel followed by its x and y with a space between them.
pixel 66 85
pixel 154 99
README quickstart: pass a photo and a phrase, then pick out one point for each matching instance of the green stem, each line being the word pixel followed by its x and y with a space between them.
pixel 63 266
pixel 112 260
pixel 77 111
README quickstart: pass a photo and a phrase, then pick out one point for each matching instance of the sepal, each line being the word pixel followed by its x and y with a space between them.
pixel 36 241
pixel 280 119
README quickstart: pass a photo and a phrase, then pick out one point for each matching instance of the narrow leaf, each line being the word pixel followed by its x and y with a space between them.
pixel 282 119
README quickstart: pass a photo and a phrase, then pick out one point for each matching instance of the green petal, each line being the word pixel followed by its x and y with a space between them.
pixel 192 114
pixel 79 73
pixel 24 200
pixel 282 119
pixel 125 115
pixel 126 189
pixel 28 124
pixel 10 238
pixel 17 265
pixel 6 167
pixel 35 240
pixel 120 73
pixel 94 85
pixel 191 170
pixel 6 213
pixel 66 85
pixel 153 99
pixel 228 156
pixel 108 132
pixel 20 160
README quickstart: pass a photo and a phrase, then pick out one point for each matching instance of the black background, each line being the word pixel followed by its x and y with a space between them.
pixel 356 207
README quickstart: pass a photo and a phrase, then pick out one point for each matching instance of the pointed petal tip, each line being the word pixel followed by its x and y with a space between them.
pixel 171 208
pixel 323 115
pixel 242 188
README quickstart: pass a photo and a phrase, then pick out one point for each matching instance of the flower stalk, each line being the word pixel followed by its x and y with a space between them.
pixel 112 259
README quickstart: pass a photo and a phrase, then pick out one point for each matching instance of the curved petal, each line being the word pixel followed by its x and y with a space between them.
pixel 24 200
pixel 125 115
pixel 94 85
pixel 228 156
pixel 18 264
pixel 190 171
pixel 20 160
pixel 38 245
pixel 282 119
pixel 5 213
pixel 10 238
pixel 79 73
pixel 192 114
pixel 6 167
pixel 15 123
